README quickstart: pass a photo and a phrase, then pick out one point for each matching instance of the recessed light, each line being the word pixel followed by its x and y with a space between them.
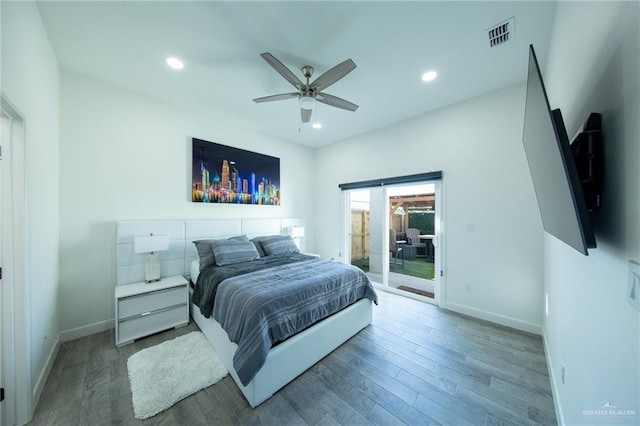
pixel 316 126
pixel 429 76
pixel 175 63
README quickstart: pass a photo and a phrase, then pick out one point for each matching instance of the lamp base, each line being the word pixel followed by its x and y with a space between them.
pixel 152 268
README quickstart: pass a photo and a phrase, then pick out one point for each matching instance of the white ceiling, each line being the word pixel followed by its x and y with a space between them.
pixel 392 43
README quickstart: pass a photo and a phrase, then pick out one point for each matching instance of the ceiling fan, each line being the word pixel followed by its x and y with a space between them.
pixel 308 93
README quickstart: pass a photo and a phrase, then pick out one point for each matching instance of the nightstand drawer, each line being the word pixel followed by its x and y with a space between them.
pixel 133 328
pixel 149 302
pixel 143 309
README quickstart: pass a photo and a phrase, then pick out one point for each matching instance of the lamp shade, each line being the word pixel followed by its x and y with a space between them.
pixel 150 243
pixel 400 211
pixel 297 231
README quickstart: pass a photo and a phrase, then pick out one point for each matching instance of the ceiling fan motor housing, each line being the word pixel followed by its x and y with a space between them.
pixel 307 71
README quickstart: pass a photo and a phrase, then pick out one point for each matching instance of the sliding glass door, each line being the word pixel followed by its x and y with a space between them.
pixel 393 233
pixel 363 242
pixel 359 228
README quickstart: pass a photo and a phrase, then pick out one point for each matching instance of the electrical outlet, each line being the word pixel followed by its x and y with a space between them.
pixel 562 373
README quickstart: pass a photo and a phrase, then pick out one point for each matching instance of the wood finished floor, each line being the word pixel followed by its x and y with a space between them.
pixel 416 364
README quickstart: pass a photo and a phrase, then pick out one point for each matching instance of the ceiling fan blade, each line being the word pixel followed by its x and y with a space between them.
pixel 305 114
pixel 335 101
pixel 276 97
pixel 333 75
pixel 282 70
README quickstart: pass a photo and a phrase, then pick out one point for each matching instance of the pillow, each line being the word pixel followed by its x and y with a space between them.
pixel 205 253
pixel 279 244
pixel 205 250
pixel 227 252
pixel 258 243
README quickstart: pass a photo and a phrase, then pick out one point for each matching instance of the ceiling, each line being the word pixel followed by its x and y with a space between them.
pixel 392 43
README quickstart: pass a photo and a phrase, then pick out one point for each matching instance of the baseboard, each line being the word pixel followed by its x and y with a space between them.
pixel 86 330
pixel 554 388
pixel 526 326
pixel 44 374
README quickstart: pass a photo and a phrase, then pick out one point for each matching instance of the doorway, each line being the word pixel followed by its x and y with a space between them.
pixel 14 368
pixel 6 343
pixel 412 214
pixel 393 233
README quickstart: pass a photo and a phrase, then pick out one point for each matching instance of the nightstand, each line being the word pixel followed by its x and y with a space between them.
pixel 143 309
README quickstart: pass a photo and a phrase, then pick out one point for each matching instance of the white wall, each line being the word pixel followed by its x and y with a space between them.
pixel 30 81
pixel 125 156
pixel 477 144
pixel 593 66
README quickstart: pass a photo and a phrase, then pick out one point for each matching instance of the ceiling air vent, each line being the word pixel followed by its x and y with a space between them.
pixel 501 33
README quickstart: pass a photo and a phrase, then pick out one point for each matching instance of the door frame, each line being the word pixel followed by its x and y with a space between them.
pixel 17 408
pixel 439 240
pixel 439 244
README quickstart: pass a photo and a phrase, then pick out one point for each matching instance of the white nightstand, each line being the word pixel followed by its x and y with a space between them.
pixel 143 309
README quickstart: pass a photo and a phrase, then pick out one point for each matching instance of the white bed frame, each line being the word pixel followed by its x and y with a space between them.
pixel 292 357
pixel 285 361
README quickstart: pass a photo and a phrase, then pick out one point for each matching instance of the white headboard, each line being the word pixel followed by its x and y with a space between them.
pixel 182 233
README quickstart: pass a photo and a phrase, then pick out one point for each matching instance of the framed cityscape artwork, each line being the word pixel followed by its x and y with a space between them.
pixel 227 175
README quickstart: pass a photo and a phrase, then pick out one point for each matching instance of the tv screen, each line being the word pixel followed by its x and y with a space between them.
pixel 553 169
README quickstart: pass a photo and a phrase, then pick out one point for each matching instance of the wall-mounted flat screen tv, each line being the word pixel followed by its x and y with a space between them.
pixel 557 183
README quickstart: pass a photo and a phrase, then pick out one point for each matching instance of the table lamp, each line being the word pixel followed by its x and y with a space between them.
pixel 151 244
pixel 297 232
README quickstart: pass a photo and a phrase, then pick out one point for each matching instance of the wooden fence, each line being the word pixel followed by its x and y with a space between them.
pixel 359 234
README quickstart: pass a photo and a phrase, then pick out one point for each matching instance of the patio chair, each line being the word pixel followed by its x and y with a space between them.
pixel 395 248
pixel 413 239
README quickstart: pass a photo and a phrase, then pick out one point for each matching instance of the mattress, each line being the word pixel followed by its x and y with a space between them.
pixel 195 271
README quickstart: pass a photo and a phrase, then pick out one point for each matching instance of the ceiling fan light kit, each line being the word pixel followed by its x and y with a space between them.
pixel 307 102
pixel 308 93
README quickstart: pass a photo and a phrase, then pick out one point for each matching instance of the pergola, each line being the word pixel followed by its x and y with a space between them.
pixel 400 207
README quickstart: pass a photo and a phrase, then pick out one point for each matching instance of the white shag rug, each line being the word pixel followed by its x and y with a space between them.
pixel 166 373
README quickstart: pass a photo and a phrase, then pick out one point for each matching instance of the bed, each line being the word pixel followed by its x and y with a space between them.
pixel 288 358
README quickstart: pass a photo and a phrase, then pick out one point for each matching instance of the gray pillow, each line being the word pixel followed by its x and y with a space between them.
pixel 205 253
pixel 279 244
pixel 205 250
pixel 258 243
pixel 227 252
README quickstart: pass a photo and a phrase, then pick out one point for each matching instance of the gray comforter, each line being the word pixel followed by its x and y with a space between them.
pixel 276 299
